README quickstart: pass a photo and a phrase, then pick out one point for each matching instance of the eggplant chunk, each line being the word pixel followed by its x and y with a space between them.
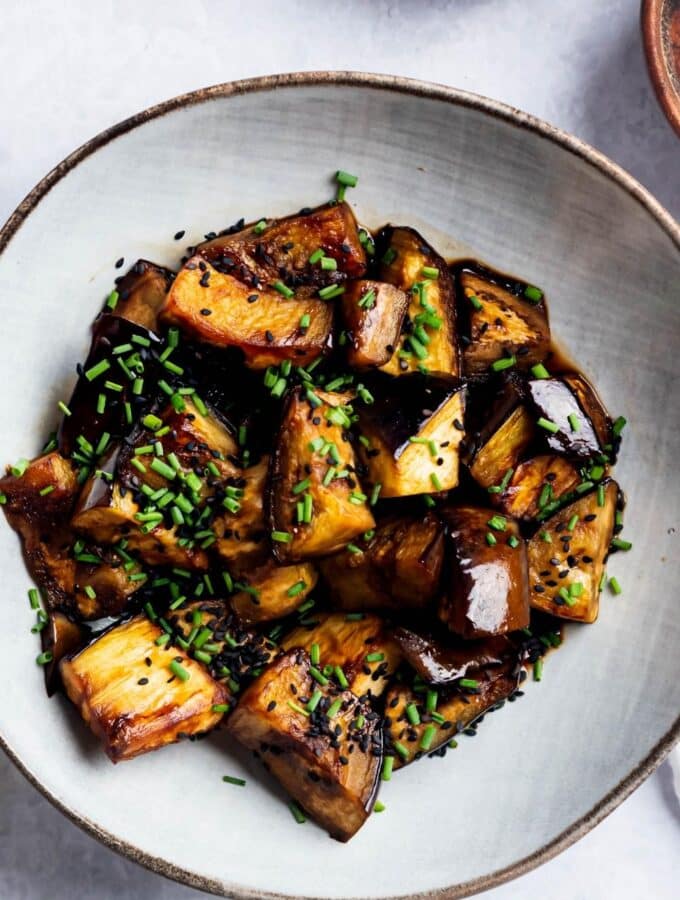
pixel 329 764
pixel 373 313
pixel 443 659
pixel 504 448
pixel 414 429
pixel 283 248
pixel 555 402
pixel 398 568
pixel 535 482
pixel 242 534
pixel 134 707
pixel 85 421
pixel 60 637
pixel 271 591
pixel 429 332
pixel 364 650
pixel 487 590
pixel 141 293
pixel 568 553
pixel 316 504
pixel 220 634
pixel 594 409
pixel 458 710
pixel 267 327
pixel 501 322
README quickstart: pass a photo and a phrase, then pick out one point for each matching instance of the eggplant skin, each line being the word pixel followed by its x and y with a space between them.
pixel 263 593
pixel 399 568
pixel 502 323
pixel 443 659
pixel 61 637
pixel 404 254
pixel 486 586
pixel 338 513
pixel 141 293
pixel 346 644
pixel 554 400
pixel 329 766
pixel 593 407
pixel 529 482
pixel 573 556
pixel 217 309
pixel 372 327
pixel 459 709
pixel 282 250
pixel 414 428
pixel 134 707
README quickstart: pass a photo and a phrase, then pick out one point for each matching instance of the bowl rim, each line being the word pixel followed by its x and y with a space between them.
pixel 414 87
pixel 652 24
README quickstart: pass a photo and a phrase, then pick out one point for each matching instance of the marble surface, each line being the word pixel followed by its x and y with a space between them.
pixel 74 68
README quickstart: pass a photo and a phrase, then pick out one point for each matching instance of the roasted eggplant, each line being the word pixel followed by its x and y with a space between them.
pixel 566 426
pixel 137 696
pixel 328 759
pixel 501 320
pixel 442 659
pixel 242 540
pixel 272 591
pixel 372 314
pixel 429 338
pixel 316 503
pixel 411 435
pixel 141 293
pixel 486 588
pixel 568 553
pixel 358 654
pixel 535 483
pixel 397 568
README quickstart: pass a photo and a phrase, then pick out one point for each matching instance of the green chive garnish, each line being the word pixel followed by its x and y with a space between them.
pixel 179 670
pixel 533 293
pixel 548 425
pixel 538 669
pixel 619 425
pixel 388 765
pixel 615 586
pixel 540 371
pixel 574 422
pixel 297 813
pixel 331 291
pixel 428 737
pixel 620 544
pixel 501 364
pixel 44 658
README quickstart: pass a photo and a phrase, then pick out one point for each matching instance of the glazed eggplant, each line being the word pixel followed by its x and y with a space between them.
pixel 241 529
pixel 141 293
pixel 566 426
pixel 372 314
pixel 272 591
pixel 535 483
pixel 217 309
pixel 280 249
pixel 568 553
pixel 316 504
pixel 327 758
pixel 361 653
pixel 442 659
pixel 486 587
pixel 137 696
pixel 503 319
pixel 428 336
pixel 413 428
pixel 398 568
pixel 60 637
pixel 594 410
pixel 88 420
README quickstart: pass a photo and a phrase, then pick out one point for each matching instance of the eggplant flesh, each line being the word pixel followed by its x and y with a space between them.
pixel 272 591
pixel 568 553
pixel 141 293
pixel 133 706
pixel 534 483
pixel 443 659
pixel 242 540
pixel 503 450
pixel 486 587
pixel 373 313
pixel 399 568
pixel 330 766
pixel 575 436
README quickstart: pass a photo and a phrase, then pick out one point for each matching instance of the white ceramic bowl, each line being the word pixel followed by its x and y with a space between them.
pixel 468 172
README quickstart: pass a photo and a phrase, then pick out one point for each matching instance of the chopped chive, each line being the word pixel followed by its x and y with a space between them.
pixel 412 714
pixel 281 537
pixel 334 708
pixel 283 289
pixel 42 659
pixel 387 766
pixel 34 598
pixel 260 226
pixel 153 423
pixel 469 683
pixel 401 750
pixel 513 541
pixel 620 544
pixel 600 495
pixel 574 421
pixel 345 179
pixel 615 586
pixel 354 617
pixel 297 813
pixel 575 589
pixel 430 272
pixel 476 302
pixel 533 293
pixel 498 523
pixel 379 806
pixel 112 300
pixel 491 539
pixel 305 321
pixel 547 425
pixel 431 698
pixel 301 486
pixel 64 408
pixel 436 483
pixel 375 493
pixel 545 495
pixel 571 524
pixel 95 371
pixel 318 676
pixel 428 737
pixel 316 256
pixel 179 670
pixel 352 548
pixel 389 256
pixel 101 404
pixel 374 657
pixel 506 362
pixel 538 669
pixel 367 301
pixel 314 700
pixel 315 653
pixel 296 588
pixel 328 264
pixel 163 469
pixel 221 708
pixel 297 708
pixel 341 677
pixel 540 371
pixel 331 291
pixel 619 425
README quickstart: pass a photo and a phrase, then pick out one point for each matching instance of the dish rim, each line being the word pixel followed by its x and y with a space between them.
pixel 652 14
pixel 457 97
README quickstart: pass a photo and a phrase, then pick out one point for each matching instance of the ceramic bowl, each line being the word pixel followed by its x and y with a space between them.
pixel 660 21
pixel 476 177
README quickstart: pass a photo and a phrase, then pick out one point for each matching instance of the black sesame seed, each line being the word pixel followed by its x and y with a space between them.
pixel 119 262
pixel 179 235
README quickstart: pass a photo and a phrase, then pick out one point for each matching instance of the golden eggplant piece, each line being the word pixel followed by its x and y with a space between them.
pixel 487 590
pixel 137 696
pixel 534 483
pixel 141 293
pixel 414 428
pixel 60 637
pixel 242 535
pixel 499 320
pixel 443 659
pixel 398 568
pixel 568 429
pixel 456 711
pixel 429 330
pixel 282 250
pixel 316 504
pixel 373 313
pixel 220 310
pixel 568 553
pixel 328 759
pixel 232 651
pixel 364 650
pixel 271 591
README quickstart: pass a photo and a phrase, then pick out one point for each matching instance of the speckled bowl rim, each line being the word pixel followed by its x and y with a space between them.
pixel 432 91
pixel 652 24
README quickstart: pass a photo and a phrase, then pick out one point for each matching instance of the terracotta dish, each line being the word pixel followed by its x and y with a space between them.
pixel 660 21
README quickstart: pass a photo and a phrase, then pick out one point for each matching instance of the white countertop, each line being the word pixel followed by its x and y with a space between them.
pixel 74 68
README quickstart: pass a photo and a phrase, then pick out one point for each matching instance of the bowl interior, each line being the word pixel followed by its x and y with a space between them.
pixel 474 182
